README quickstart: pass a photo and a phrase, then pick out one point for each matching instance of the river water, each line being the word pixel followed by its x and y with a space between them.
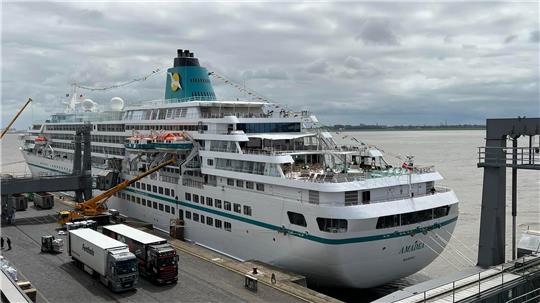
pixel 454 154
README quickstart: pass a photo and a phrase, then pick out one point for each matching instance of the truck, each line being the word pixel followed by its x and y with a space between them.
pixel 158 260
pixel 104 258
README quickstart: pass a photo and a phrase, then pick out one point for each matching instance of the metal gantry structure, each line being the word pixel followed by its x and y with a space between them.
pixel 495 158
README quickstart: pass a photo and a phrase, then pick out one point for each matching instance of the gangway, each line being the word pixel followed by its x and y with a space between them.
pixel 495 158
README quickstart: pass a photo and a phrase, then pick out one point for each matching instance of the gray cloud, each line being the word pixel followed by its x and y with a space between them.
pixel 352 63
pixel 510 39
pixel 378 31
pixel 534 36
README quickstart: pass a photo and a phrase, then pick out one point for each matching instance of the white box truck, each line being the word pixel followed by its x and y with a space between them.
pixel 158 260
pixel 103 257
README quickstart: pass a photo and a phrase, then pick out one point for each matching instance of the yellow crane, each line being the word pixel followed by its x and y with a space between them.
pixel 95 206
pixel 15 118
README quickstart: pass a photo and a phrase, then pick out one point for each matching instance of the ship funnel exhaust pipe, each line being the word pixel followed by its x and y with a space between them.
pixel 179 53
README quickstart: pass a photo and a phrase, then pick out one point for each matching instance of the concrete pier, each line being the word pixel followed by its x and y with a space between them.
pixel 204 275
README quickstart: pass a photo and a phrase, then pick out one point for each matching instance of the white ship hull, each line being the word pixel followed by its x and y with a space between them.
pixel 359 260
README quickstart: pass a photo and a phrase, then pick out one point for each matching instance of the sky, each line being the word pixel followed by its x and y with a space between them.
pixel 348 62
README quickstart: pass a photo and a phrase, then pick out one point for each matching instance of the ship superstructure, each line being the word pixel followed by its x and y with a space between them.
pixel 257 181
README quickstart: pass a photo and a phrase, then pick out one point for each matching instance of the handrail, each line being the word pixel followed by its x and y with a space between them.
pixel 504 155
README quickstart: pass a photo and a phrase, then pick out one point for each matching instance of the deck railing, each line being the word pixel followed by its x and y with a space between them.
pixel 527 157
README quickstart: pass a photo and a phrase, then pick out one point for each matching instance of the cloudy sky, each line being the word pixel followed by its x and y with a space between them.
pixel 349 62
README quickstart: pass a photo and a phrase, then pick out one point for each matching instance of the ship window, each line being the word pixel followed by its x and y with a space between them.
pixel 180 215
pixel 237 208
pixel 132 198
pixel 209 201
pixel 388 221
pixel 209 221
pixel 441 211
pixel 188 196
pixel 144 202
pixel 260 187
pixel 249 184
pixel 167 208
pixel 172 193
pixel 217 223
pixel 188 214
pixel 138 185
pixel 218 203
pixel 227 205
pixel 230 182
pixel 196 217
pixel 148 187
pixel 160 206
pixel 313 197
pixel 167 192
pixel 239 183
pixel 296 219
pixel 332 225
pixel 366 197
pixel 155 205
pixel 149 203
pixel 195 198
pixel 247 210
pixel 161 190
pixel 210 162
pixel 154 188
pixel 138 200
pixel 351 197
pixel 228 226
pixel 202 219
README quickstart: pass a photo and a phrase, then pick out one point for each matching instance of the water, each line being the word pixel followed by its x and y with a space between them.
pixel 454 154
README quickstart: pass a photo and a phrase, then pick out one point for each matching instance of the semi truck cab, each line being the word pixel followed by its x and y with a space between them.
pixel 122 273
pixel 163 261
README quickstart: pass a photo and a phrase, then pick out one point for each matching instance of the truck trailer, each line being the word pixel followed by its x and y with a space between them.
pixel 108 259
pixel 158 261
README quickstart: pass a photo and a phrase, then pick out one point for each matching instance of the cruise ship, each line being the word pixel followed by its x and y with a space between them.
pixel 256 181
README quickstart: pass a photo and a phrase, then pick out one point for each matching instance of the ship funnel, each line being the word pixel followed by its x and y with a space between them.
pixel 187 80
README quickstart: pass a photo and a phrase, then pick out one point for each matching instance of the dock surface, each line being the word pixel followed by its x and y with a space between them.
pixel 204 275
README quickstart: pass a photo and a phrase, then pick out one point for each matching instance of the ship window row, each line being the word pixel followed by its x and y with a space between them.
pixel 109 127
pixel 36 126
pixel 268 127
pixel 156 114
pixel 147 202
pixel 223 146
pixel 412 217
pixel 208 220
pixel 154 188
pixel 199 80
pixel 166 127
pixel 245 184
pixel 329 225
pixel 94 138
pixel 217 203
pixel 249 167
pixel 64 127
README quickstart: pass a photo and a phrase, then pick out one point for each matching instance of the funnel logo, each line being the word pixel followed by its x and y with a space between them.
pixel 175 81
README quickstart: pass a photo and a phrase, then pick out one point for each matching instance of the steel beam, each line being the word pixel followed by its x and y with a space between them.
pixel 491 248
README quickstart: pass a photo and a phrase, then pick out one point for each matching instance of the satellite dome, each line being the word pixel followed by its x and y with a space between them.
pixel 88 105
pixel 117 104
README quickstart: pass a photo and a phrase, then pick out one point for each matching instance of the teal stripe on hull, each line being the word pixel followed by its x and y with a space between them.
pixel 305 235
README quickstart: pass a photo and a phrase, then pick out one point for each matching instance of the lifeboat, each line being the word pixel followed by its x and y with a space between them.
pixel 173 141
pixel 140 142
pixel 40 140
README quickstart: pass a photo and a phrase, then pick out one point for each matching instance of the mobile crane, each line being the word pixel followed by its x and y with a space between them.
pixel 95 207
pixel 6 129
